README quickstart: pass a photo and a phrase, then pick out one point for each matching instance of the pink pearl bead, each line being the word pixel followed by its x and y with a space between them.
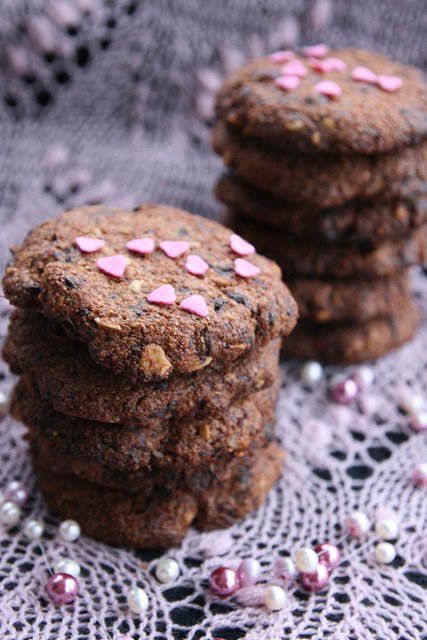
pixel 249 572
pixel 418 421
pixel 344 391
pixel 317 580
pixel 419 474
pixel 16 492
pixel 329 555
pixel 62 588
pixel 224 582
pixel 285 569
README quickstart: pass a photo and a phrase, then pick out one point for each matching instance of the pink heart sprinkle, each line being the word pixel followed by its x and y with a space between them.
pixel 287 83
pixel 281 56
pixel 240 246
pixel 316 51
pixel 89 245
pixel 162 295
pixel 245 269
pixel 195 304
pixel 196 265
pixel 328 88
pixel 327 65
pixel 141 245
pixel 363 74
pixel 174 248
pixel 294 68
pixel 113 265
pixel 389 83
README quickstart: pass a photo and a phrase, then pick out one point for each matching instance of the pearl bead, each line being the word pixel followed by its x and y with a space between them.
pixel 69 530
pixel 274 598
pixel 385 552
pixel 364 377
pixel 62 588
pixel 224 582
pixel 328 554
pixel 419 474
pixel 2 498
pixel 34 530
pixel 311 374
pixel 343 391
pixel 317 580
pixel 358 524
pixel 386 529
pixel 306 560
pixel 249 571
pixel 137 600
pixel 418 421
pixel 285 569
pixel 68 565
pixel 409 402
pixel 4 404
pixel 123 638
pixel 167 570
pixel 16 492
pixel 9 514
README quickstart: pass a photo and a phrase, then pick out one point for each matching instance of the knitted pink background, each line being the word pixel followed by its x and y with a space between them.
pixel 112 101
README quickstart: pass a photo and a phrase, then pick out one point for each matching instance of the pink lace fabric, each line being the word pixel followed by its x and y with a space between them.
pixel 111 102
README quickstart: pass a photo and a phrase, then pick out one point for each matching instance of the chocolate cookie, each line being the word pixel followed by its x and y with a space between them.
pixel 359 221
pixel 191 442
pixel 351 300
pixel 311 259
pixel 385 111
pixel 71 381
pixel 350 343
pixel 136 301
pixel 324 180
pixel 162 519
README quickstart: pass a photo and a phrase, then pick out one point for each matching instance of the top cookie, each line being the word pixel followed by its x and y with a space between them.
pixel 366 103
pixel 127 285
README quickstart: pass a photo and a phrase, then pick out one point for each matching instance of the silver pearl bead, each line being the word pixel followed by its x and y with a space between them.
pixel 34 530
pixel 385 552
pixel 137 600
pixel 386 529
pixel 69 530
pixel 167 570
pixel 68 565
pixel 306 560
pixel 311 374
pixel 10 514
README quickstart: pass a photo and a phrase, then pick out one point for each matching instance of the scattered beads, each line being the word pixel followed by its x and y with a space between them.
pixel 328 554
pixel 419 474
pixel 62 588
pixel 418 421
pixel 358 524
pixel 285 569
pixel 137 600
pixel 306 560
pixel 16 492
pixel 224 582
pixel 274 598
pixel 68 566
pixel 249 571
pixel 343 390
pixel 34 530
pixel 69 530
pixel 386 529
pixel 317 580
pixel 9 514
pixel 89 245
pixel 167 570
pixel 311 373
pixel 385 552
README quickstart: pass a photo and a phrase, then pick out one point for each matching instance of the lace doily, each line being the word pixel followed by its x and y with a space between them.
pixel 112 102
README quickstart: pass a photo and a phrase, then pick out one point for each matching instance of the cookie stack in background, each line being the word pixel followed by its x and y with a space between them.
pixel 327 175
pixel 147 348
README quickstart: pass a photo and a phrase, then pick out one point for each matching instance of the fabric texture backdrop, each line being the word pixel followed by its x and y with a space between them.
pixel 111 101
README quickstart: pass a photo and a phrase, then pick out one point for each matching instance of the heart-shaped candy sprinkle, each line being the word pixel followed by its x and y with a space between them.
pixel 195 304
pixel 89 245
pixel 141 245
pixel 196 265
pixel 363 74
pixel 245 269
pixel 328 65
pixel 287 83
pixel 389 83
pixel 316 51
pixel 281 56
pixel 174 248
pixel 240 246
pixel 328 88
pixel 113 265
pixel 162 295
pixel 294 68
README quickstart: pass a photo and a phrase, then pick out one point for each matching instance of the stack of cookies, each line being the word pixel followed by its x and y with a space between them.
pixel 147 348
pixel 327 175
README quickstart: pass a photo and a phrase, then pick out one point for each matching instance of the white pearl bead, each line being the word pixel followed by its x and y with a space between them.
pixel 4 404
pixel 358 524
pixel 137 600
pixel 2 498
pixel 274 598
pixel 167 570
pixel 410 402
pixel 68 565
pixel 385 552
pixel 9 514
pixel 69 530
pixel 306 560
pixel 34 530
pixel 419 474
pixel 311 373
pixel 386 529
pixel 364 377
